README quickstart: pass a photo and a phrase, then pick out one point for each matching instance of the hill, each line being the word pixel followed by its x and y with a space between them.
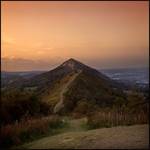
pixel 73 87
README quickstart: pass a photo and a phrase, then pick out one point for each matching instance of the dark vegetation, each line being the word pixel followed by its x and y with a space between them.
pixel 23 118
pixel 135 111
pixel 17 104
pixel 23 115
pixel 29 129
pixel 88 92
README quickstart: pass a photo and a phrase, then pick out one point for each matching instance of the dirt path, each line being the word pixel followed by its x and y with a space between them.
pixel 122 137
pixel 60 105
pixel 77 125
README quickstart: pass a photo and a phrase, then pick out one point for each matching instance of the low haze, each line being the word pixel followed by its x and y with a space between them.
pixel 41 35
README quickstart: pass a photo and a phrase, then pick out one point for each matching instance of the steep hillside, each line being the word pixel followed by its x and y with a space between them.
pixel 73 86
pixel 89 92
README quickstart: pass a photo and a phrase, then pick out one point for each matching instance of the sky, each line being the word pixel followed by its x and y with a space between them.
pixel 39 35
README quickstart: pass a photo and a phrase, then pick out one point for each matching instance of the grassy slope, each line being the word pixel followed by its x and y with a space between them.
pixel 117 137
pixel 86 87
pixel 53 95
pixel 93 90
pixel 65 88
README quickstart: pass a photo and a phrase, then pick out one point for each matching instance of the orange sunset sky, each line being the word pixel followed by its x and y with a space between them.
pixel 39 35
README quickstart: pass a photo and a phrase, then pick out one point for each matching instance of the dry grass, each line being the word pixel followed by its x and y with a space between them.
pixel 121 137
pixel 28 129
pixel 52 97
pixel 115 118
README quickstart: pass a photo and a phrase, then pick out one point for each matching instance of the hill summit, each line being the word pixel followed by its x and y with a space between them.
pixel 74 64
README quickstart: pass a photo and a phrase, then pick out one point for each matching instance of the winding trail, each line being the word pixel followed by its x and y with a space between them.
pixel 60 104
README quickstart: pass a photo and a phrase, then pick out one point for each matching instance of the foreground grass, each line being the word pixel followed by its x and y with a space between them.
pixel 126 137
pixel 30 129
pixel 33 129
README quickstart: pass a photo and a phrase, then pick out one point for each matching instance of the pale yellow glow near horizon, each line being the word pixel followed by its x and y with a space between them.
pixel 98 33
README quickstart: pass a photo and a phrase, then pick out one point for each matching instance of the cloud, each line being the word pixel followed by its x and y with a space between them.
pixel 19 64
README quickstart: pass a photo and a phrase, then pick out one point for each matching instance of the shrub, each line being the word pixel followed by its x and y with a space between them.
pixel 16 104
pixel 134 111
pixel 115 117
pixel 17 133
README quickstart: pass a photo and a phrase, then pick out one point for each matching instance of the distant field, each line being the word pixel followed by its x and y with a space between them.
pixel 138 76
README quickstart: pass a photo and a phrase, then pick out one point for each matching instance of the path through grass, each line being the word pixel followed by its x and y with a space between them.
pixel 121 137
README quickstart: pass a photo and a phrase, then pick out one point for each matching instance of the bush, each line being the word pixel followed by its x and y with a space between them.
pixel 116 117
pixel 28 129
pixel 134 111
pixel 82 107
pixel 16 104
